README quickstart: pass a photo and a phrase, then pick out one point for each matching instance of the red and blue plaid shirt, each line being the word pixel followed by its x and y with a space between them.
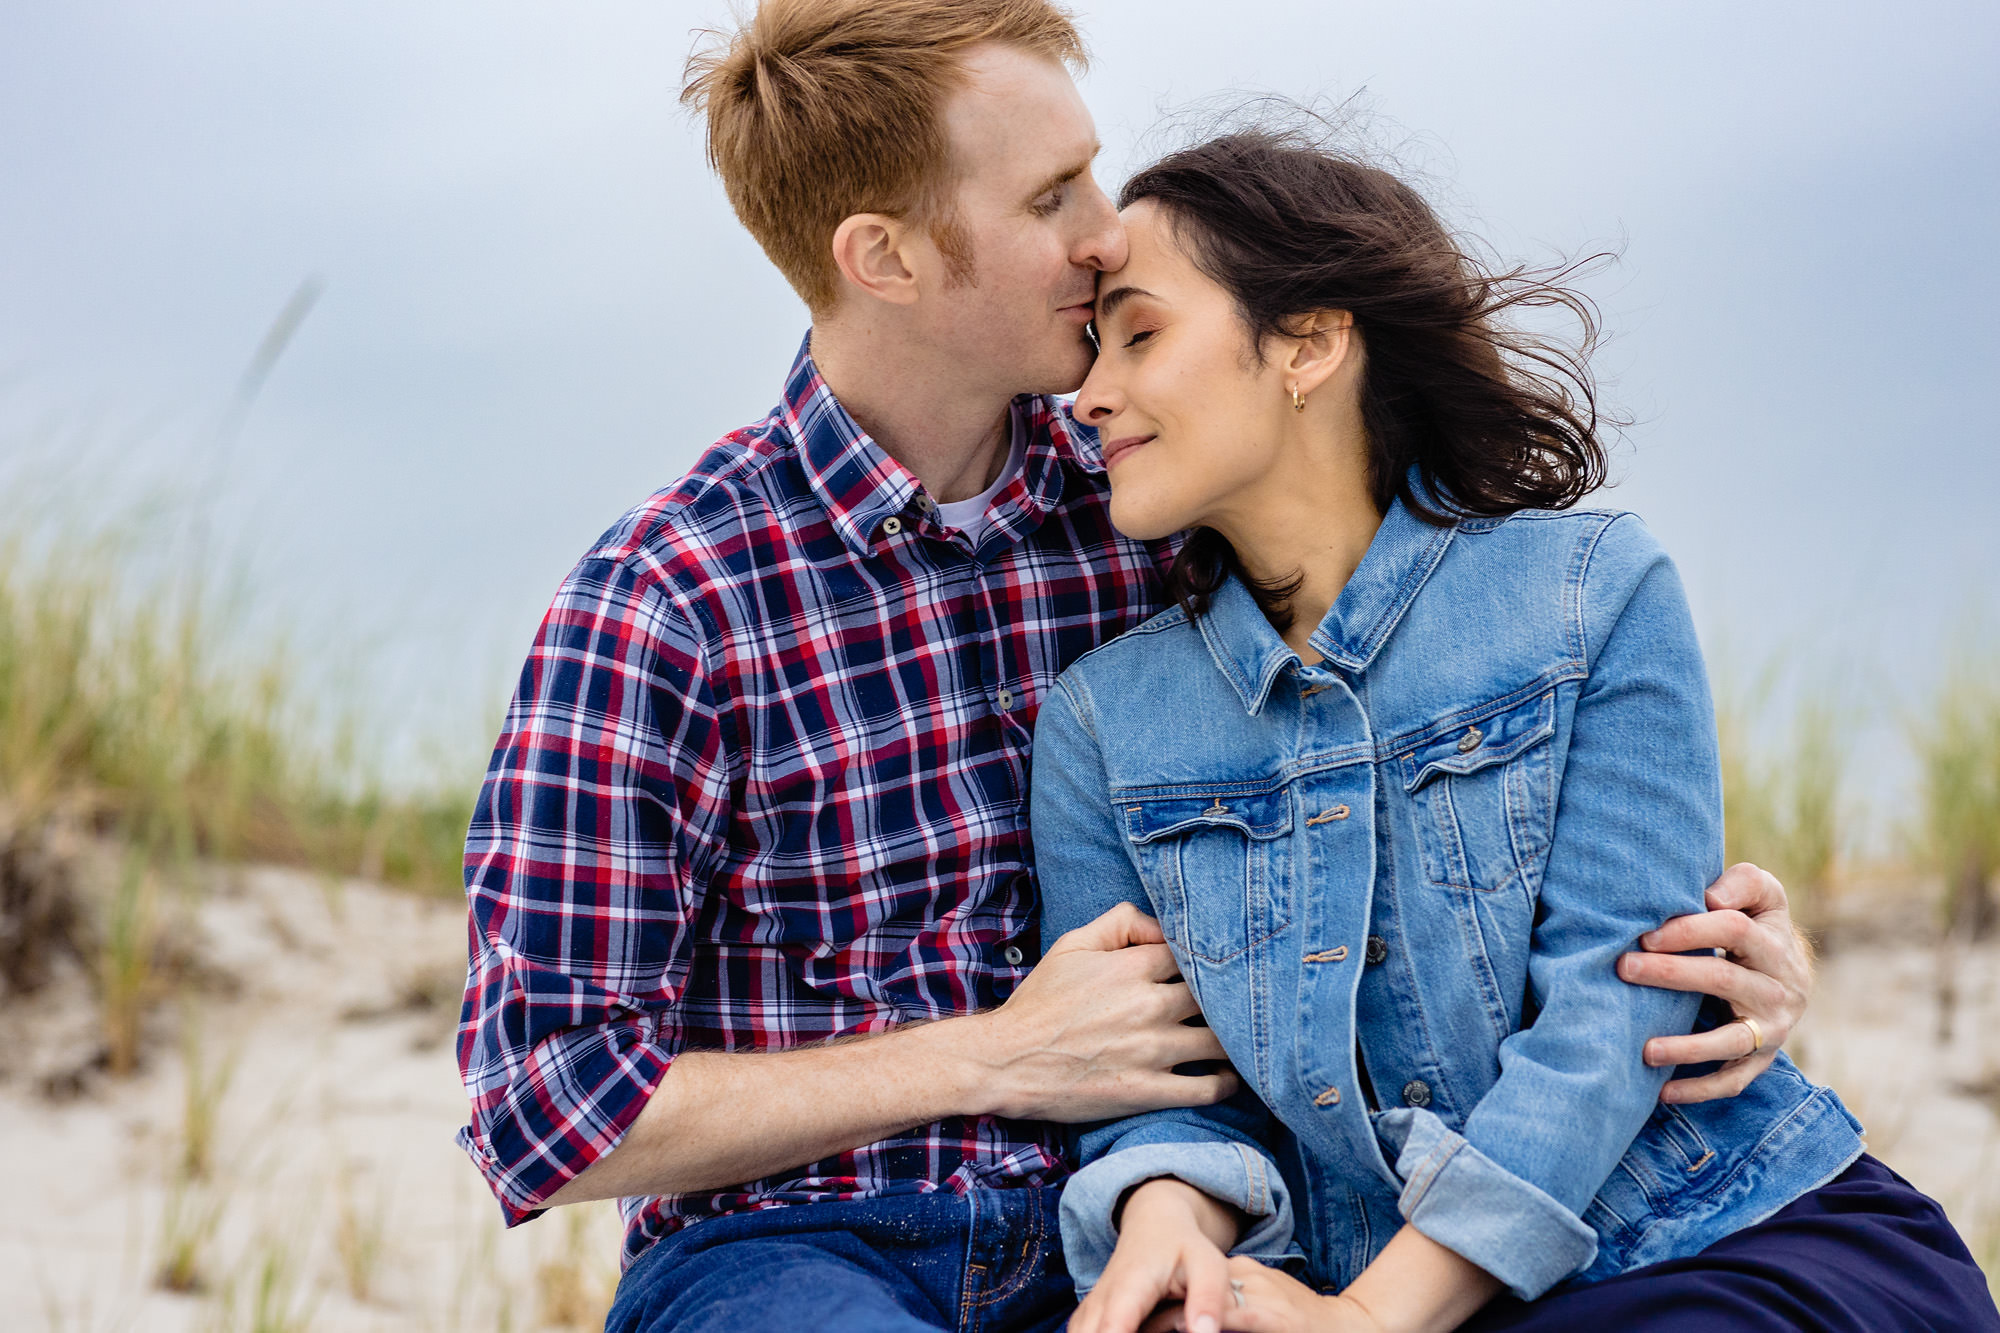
pixel 763 784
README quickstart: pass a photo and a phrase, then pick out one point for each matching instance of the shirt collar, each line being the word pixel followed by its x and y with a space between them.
pixel 860 484
pixel 1250 653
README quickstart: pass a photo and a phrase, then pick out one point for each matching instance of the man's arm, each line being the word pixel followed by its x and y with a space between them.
pixel 1764 972
pixel 1093 1033
pixel 600 823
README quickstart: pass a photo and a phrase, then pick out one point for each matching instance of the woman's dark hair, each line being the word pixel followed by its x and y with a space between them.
pixel 1489 419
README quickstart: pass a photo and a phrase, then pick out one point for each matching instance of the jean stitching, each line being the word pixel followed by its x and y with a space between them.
pixel 1031 1256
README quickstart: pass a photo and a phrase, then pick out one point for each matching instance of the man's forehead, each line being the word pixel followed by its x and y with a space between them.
pixel 1017 111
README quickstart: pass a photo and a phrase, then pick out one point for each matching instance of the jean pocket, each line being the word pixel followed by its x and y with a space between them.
pixel 1210 856
pixel 1669 1166
pixel 1482 791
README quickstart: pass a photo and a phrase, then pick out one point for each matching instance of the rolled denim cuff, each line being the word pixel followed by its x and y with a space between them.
pixel 1230 1172
pixel 1474 1207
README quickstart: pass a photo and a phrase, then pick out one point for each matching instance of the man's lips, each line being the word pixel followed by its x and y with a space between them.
pixel 1124 444
pixel 1082 312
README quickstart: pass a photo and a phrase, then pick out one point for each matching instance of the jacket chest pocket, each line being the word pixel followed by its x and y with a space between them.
pixel 1210 859
pixel 1483 797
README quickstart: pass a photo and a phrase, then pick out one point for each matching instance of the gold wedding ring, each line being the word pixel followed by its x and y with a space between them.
pixel 1756 1036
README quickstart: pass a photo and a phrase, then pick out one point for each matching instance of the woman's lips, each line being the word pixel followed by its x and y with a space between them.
pixel 1125 445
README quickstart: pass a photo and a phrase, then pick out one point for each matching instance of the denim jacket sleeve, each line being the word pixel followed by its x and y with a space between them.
pixel 1084 871
pixel 1637 838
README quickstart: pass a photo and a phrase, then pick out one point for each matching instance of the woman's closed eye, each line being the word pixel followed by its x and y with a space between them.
pixel 1139 336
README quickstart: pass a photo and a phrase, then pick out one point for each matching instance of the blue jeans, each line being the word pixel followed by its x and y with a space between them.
pixel 990 1261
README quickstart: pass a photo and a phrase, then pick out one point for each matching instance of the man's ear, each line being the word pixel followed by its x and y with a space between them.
pixel 872 251
pixel 1327 341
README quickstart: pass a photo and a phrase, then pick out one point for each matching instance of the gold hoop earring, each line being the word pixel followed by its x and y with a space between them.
pixel 1298 400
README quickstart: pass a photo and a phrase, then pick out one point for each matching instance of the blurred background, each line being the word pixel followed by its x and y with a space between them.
pixel 331 334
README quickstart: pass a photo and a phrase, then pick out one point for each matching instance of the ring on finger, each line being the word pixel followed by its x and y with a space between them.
pixel 1236 1290
pixel 1756 1034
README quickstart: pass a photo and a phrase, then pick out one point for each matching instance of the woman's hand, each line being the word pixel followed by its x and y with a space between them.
pixel 1765 974
pixel 1268 1300
pixel 1172 1245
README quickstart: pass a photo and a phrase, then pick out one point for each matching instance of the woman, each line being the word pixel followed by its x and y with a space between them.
pixel 1420 752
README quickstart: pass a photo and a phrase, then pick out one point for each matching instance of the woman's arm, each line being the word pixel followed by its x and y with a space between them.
pixel 1637 836
pixel 1084 869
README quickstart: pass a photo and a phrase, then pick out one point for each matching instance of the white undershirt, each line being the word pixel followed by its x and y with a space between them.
pixel 969 516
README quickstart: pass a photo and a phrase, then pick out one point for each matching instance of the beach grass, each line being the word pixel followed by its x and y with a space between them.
pixel 136 704
pixel 1957 745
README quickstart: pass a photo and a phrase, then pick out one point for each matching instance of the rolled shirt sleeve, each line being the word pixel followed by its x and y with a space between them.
pixel 596 826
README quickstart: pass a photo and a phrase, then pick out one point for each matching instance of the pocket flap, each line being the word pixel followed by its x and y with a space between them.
pixel 1261 813
pixel 1471 746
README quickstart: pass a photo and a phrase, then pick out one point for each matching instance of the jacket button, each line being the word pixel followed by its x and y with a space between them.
pixel 1378 949
pixel 1012 953
pixel 1417 1093
pixel 1470 740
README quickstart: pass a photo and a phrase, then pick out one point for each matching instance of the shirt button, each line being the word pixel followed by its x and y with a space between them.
pixel 1378 949
pixel 925 503
pixel 1012 953
pixel 1417 1093
pixel 1006 700
pixel 892 525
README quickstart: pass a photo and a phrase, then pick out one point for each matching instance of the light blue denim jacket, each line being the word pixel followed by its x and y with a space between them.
pixel 1398 882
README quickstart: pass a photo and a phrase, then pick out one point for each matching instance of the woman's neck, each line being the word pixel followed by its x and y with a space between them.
pixel 1312 520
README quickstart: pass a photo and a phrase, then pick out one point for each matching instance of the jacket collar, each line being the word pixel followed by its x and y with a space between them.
pixel 1249 651
pixel 860 484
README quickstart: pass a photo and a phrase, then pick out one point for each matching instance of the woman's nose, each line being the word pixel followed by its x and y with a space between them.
pixel 1094 400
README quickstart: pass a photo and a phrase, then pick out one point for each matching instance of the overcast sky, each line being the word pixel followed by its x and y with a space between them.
pixel 537 307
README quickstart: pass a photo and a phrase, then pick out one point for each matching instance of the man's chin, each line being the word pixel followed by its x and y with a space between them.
pixel 1065 375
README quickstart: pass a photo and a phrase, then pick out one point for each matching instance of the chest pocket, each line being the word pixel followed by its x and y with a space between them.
pixel 1484 799
pixel 1211 860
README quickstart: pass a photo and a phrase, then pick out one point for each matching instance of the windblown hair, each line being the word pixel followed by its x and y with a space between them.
pixel 821 109
pixel 1465 416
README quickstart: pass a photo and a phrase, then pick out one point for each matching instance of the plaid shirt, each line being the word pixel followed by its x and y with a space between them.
pixel 763 784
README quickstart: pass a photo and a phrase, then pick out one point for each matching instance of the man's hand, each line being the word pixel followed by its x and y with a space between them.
pixel 1096 1030
pixel 1765 974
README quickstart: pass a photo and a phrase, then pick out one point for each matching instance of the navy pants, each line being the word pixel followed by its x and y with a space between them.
pixel 1865 1252
pixel 985 1262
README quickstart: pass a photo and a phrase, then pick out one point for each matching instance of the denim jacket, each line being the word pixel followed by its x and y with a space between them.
pixel 1398 881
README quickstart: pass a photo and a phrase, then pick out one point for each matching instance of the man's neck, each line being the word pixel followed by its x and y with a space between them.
pixel 953 440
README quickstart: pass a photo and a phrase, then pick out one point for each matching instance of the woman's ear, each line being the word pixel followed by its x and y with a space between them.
pixel 871 251
pixel 1326 343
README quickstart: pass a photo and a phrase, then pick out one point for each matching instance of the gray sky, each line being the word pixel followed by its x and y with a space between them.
pixel 538 307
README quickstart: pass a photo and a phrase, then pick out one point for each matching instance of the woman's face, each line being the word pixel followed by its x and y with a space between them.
pixel 1191 422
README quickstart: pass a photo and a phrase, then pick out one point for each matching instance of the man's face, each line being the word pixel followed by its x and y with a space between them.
pixel 1036 227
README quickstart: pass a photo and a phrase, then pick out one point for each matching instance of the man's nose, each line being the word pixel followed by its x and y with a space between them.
pixel 1104 246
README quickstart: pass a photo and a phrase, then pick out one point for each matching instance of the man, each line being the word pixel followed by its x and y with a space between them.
pixel 753 917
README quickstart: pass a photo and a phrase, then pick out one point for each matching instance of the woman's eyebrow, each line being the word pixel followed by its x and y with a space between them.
pixel 1109 301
